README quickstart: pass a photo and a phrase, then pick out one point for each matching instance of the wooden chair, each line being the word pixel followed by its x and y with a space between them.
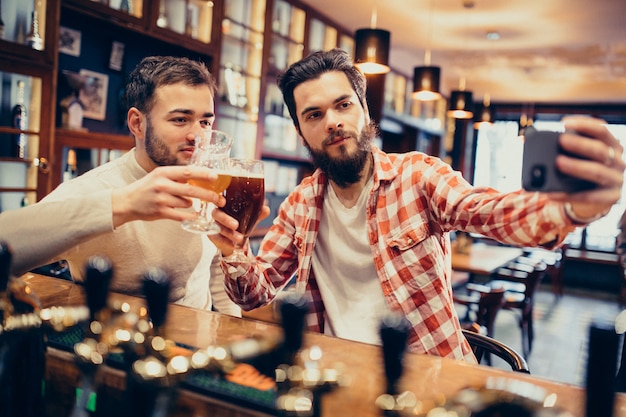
pixel 520 285
pixel 482 344
pixel 482 303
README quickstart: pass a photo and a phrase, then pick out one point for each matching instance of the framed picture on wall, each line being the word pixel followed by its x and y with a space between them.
pixel 94 94
pixel 69 41
pixel 116 59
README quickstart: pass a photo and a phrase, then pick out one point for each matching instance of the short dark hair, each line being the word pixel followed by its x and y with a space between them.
pixel 312 67
pixel 156 71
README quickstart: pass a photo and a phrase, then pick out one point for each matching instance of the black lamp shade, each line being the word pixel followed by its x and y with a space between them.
pixel 426 83
pixel 461 105
pixel 484 116
pixel 371 50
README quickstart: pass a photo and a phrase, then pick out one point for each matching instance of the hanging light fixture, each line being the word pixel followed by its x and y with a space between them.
pixel 371 48
pixel 486 116
pixel 461 102
pixel 426 81
pixel 426 78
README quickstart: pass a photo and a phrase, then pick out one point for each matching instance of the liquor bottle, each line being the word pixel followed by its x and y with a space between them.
pixel 33 39
pixel 70 166
pixel 601 370
pixel 1 23
pixel 20 121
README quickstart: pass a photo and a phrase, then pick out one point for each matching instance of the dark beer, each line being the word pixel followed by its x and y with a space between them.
pixel 244 200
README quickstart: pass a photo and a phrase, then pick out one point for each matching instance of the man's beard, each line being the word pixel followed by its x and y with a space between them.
pixel 344 170
pixel 156 149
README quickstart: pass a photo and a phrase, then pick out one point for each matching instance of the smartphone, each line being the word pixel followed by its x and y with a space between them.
pixel 539 172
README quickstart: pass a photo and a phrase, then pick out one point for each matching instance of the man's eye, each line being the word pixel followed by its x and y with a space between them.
pixel 206 123
pixel 312 116
pixel 345 104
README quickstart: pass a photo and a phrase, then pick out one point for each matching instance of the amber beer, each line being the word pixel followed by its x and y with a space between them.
pixel 219 185
pixel 245 196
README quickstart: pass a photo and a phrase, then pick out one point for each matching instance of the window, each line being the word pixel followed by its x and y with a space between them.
pixel 499 165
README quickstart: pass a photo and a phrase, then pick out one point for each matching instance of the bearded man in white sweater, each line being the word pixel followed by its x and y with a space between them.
pixel 130 209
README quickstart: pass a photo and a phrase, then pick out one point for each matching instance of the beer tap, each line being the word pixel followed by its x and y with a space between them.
pixel 300 379
pixel 90 352
pixel 153 369
pixel 394 330
pixel 22 346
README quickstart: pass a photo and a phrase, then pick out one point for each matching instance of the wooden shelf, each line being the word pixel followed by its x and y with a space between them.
pixel 82 139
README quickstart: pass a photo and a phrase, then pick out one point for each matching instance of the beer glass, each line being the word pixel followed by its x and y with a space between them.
pixel 244 199
pixel 212 150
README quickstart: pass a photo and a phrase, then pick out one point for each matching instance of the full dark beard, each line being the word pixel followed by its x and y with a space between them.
pixel 346 169
pixel 156 149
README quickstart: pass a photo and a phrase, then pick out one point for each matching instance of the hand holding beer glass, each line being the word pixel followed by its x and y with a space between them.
pixel 212 150
pixel 244 200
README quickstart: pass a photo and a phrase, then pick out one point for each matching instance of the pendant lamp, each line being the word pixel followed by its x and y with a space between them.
pixel 426 82
pixel 426 78
pixel 461 102
pixel 371 48
pixel 461 105
pixel 486 115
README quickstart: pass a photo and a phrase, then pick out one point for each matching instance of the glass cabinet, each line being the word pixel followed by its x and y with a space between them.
pixel 26 73
pixel 20 101
pixel 241 62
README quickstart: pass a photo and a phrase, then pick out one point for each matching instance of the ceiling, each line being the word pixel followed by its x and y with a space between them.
pixel 549 51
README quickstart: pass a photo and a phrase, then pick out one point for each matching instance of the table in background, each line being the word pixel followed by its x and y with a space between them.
pixel 427 377
pixel 483 259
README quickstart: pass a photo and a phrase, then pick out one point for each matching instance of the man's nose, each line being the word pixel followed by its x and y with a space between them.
pixel 333 121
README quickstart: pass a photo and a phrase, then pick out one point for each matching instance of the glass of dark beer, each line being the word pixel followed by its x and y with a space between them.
pixel 212 150
pixel 244 200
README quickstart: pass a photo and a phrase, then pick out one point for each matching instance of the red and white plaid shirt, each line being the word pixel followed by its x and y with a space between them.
pixel 415 201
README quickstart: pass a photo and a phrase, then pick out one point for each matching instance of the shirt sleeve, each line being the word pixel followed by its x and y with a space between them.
pixel 518 218
pixel 41 233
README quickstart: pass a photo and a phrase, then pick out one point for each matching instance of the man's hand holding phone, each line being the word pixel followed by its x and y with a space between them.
pixel 582 166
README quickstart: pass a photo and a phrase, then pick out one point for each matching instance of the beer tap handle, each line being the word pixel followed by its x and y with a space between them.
pixel 394 330
pixel 98 275
pixel 293 309
pixel 156 288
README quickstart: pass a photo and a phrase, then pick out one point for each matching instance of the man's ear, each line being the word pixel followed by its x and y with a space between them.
pixel 299 133
pixel 135 120
pixel 367 113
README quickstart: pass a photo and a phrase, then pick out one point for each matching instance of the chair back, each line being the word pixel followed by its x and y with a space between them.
pixel 482 344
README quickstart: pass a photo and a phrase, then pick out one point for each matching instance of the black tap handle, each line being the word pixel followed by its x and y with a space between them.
pixel 98 275
pixel 293 309
pixel 394 333
pixel 156 288
pixel 6 257
pixel 601 367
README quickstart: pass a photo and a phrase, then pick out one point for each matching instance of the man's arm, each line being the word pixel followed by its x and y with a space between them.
pixel 41 233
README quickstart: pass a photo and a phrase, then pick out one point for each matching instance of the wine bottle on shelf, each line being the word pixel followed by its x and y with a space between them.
pixel 20 121
pixel 33 39
pixel 70 166
pixel 601 370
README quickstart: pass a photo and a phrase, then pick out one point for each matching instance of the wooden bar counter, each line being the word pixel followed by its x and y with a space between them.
pixel 429 378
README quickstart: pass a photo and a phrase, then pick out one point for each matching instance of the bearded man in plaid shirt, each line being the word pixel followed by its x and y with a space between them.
pixel 368 232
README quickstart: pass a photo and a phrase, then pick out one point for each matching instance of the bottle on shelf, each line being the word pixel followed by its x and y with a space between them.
pixel 33 39
pixel 70 167
pixel 20 121
pixel 1 23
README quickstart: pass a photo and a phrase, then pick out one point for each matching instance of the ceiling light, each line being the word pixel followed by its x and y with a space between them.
pixel 426 77
pixel 486 116
pixel 371 48
pixel 492 35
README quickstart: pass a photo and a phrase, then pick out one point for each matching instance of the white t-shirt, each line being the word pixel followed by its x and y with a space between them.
pixel 345 273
